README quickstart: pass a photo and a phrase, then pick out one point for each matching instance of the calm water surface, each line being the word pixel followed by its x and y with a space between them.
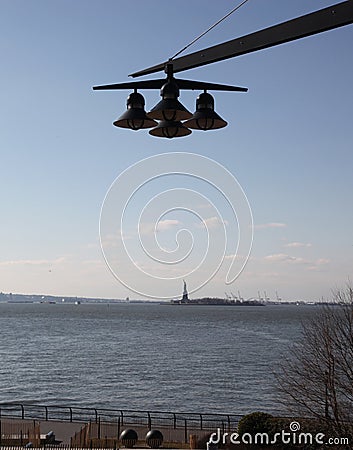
pixel 138 356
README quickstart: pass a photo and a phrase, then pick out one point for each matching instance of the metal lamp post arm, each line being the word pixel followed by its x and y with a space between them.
pixel 326 19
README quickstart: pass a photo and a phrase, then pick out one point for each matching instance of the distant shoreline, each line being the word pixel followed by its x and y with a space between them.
pixel 206 301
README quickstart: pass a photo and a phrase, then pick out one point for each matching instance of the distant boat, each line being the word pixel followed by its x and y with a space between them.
pixel 77 302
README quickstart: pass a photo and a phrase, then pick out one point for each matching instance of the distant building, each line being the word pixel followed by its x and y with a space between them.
pixel 185 298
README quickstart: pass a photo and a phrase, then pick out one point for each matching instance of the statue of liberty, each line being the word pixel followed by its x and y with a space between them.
pixel 185 298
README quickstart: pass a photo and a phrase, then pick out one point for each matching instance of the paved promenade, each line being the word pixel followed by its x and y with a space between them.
pixel 64 430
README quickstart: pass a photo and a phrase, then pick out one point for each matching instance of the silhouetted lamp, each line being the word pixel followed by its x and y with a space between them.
pixel 169 118
pixel 170 129
pixel 135 116
pixel 205 117
pixel 169 108
pixel 170 112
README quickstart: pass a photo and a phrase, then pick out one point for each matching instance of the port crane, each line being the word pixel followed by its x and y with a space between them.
pixel 277 297
pixel 266 298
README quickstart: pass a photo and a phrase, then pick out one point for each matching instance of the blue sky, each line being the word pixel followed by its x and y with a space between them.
pixel 289 140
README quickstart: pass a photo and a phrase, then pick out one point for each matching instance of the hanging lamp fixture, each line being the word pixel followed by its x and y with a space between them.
pixel 135 117
pixel 205 117
pixel 174 119
pixel 170 112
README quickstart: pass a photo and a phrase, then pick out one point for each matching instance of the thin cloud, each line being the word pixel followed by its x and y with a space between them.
pixel 318 264
pixel 32 262
pixel 278 257
pixel 167 224
pixel 212 223
pixel 234 256
pixel 111 240
pixel 322 261
pixel 288 259
pixel 93 262
pixel 270 225
pixel 297 245
pixel 282 257
pixel 91 245
pixel 149 228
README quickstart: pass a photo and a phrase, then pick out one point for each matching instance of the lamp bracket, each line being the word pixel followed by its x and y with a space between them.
pixel 334 16
pixel 189 85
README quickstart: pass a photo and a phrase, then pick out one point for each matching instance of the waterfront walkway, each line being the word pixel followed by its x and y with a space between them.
pixel 81 427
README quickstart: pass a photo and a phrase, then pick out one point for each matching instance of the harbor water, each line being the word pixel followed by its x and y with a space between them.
pixel 146 356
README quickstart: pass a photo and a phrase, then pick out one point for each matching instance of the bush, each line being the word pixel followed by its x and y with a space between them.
pixel 256 422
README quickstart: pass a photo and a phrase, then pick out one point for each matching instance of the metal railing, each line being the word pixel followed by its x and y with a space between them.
pixel 52 447
pixel 149 419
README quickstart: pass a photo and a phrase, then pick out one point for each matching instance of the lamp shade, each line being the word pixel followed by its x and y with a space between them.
pixel 205 117
pixel 169 108
pixel 170 129
pixel 135 116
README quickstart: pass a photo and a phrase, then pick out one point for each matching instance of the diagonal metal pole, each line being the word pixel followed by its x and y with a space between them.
pixel 326 19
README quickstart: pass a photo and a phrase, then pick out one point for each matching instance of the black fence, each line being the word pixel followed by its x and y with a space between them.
pixel 149 419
